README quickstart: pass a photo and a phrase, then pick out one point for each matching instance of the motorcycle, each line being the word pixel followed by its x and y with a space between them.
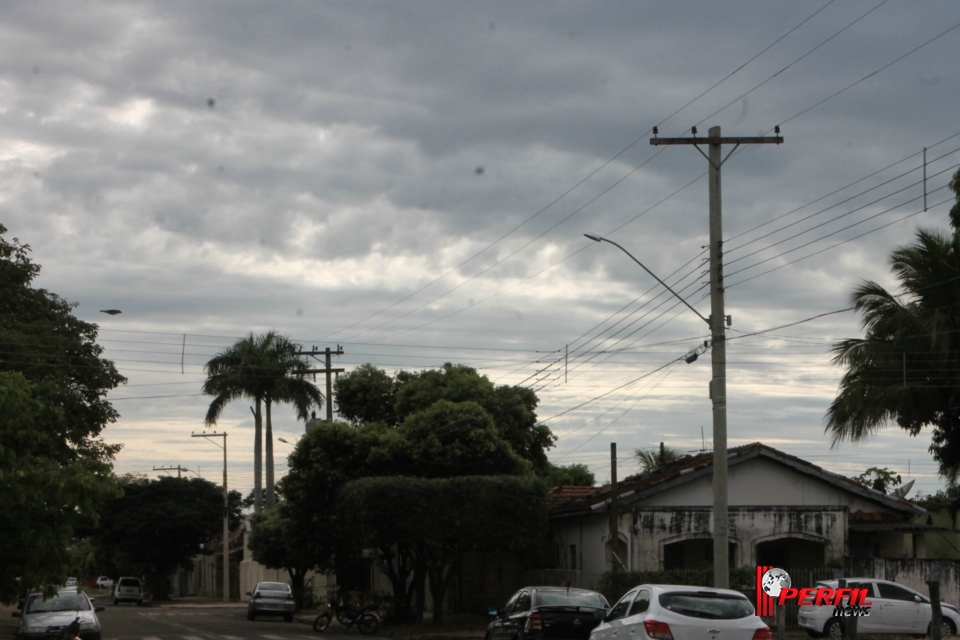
pixel 365 617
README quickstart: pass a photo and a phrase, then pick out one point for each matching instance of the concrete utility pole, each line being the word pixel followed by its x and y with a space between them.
pixel 226 511
pixel 329 370
pixel 718 385
pixel 614 507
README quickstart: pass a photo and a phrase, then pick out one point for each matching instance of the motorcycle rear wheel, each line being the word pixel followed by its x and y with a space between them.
pixel 368 623
pixel 321 622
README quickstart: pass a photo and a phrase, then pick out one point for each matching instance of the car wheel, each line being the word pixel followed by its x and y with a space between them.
pixel 834 629
pixel 946 629
pixel 321 622
pixel 368 623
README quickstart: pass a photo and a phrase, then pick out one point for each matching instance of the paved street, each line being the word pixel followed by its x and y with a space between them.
pixel 129 622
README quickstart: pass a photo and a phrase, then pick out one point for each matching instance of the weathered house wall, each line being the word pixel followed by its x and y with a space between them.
pixel 655 528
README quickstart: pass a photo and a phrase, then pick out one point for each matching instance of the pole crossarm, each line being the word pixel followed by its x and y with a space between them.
pixel 704 140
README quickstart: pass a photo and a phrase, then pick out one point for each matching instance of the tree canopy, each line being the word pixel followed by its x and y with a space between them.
pixel 906 368
pixel 266 368
pixel 434 520
pixel 54 466
pixel 158 526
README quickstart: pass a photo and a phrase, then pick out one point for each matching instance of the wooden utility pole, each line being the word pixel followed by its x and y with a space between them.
pixel 328 369
pixel 718 384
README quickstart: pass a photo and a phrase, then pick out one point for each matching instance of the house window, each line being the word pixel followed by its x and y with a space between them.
pixel 573 557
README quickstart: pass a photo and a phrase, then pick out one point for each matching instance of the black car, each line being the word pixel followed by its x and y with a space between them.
pixel 548 612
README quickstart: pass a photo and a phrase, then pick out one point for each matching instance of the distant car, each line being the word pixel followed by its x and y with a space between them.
pixel 548 612
pixel 43 619
pixel 894 609
pixel 128 590
pixel 271 599
pixel 71 582
pixel 104 582
pixel 673 612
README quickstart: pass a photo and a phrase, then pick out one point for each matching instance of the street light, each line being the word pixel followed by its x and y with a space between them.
pixel 598 238
pixel 287 442
pixel 717 395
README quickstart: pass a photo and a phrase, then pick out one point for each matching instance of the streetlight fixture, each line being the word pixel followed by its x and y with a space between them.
pixel 287 442
pixel 598 238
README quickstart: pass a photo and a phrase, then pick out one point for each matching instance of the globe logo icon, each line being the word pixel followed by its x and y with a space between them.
pixel 773 581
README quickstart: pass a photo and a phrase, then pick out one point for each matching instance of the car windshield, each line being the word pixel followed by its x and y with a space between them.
pixel 129 582
pixel 713 606
pixel 61 602
pixel 570 599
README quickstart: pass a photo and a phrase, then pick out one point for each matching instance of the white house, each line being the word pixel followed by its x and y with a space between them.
pixel 783 511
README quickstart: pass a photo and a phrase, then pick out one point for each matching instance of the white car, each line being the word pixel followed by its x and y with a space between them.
pixel 44 619
pixel 128 590
pixel 894 609
pixel 674 612
pixel 104 582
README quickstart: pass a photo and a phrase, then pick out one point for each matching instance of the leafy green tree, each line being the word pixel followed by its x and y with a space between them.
pixel 438 519
pixel 906 368
pixel 366 395
pixel 573 475
pixel 879 479
pixel 650 460
pixel 369 394
pixel 54 467
pixel 267 369
pixel 158 526
pixel 44 498
pixel 450 439
pixel 279 541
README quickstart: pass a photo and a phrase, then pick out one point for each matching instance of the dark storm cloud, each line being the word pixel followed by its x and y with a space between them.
pixel 218 168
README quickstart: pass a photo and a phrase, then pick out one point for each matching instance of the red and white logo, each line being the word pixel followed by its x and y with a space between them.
pixel 774 585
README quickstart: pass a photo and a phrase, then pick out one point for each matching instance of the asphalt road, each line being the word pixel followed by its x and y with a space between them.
pixel 130 622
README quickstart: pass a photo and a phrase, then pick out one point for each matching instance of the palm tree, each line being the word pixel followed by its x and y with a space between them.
pixel 906 368
pixel 286 382
pixel 259 367
pixel 650 460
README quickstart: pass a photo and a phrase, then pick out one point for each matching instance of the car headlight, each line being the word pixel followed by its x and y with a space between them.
pixel 88 625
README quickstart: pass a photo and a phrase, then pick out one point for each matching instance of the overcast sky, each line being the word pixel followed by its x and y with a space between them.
pixel 412 181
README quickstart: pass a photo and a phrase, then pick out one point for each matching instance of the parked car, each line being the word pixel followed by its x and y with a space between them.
pixel 894 609
pixel 128 590
pixel 104 582
pixel 71 582
pixel 43 619
pixel 548 612
pixel 673 612
pixel 270 598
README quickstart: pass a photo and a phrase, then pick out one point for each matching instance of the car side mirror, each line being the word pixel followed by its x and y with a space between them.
pixel 600 614
pixel 99 608
pixel 15 614
pixel 917 598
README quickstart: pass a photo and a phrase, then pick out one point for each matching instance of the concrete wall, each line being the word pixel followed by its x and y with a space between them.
pixel 914 574
pixel 656 527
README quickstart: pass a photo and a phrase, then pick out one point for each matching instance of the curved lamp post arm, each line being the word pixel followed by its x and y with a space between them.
pixel 597 238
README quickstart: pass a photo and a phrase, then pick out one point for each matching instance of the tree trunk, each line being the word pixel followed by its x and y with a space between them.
pixel 269 438
pixel 441 571
pixel 297 577
pixel 257 459
pixel 398 565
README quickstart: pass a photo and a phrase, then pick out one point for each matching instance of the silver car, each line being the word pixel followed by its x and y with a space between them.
pixel 42 619
pixel 271 598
